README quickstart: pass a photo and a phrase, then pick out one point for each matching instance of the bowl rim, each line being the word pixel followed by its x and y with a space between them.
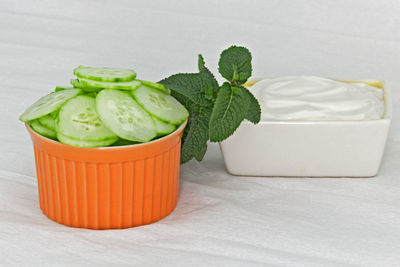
pixel 182 125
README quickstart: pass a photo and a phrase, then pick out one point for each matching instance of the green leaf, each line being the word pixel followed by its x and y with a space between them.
pixel 235 64
pixel 196 135
pixel 228 112
pixel 203 69
pixel 201 64
pixel 202 152
pixel 191 85
pixel 253 111
pixel 215 112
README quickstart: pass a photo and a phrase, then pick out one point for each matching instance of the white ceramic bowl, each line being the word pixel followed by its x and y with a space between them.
pixel 309 148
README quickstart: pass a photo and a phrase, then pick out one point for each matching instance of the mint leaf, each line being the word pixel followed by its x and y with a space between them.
pixel 201 64
pixel 202 152
pixel 253 112
pixel 193 86
pixel 235 64
pixel 229 111
pixel 203 69
pixel 196 133
pixel 215 112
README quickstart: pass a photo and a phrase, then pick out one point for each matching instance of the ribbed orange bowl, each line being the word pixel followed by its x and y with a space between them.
pixel 110 187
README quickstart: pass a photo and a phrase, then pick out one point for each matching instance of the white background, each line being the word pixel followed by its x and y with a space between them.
pixel 220 220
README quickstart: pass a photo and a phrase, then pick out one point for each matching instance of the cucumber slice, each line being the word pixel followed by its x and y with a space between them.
pixel 48 121
pixel 105 74
pixel 158 86
pixel 77 84
pixel 161 105
pixel 163 128
pixel 47 104
pixel 131 85
pixel 42 130
pixel 123 142
pixel 54 114
pixel 124 116
pixel 60 88
pixel 82 143
pixel 79 120
pixel 92 94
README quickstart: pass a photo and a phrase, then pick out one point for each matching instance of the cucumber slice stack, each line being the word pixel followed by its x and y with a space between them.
pixel 105 74
pixel 161 105
pixel 106 106
pixel 47 104
pixel 124 116
pixel 43 130
pixel 48 121
pixel 79 120
pixel 158 86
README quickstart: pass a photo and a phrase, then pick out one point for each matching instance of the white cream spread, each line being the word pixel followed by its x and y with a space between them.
pixel 305 98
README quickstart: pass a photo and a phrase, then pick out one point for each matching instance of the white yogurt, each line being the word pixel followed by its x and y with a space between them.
pixel 302 98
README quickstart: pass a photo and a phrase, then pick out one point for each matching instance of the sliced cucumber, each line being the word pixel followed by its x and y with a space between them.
pixel 131 85
pixel 163 128
pixel 47 104
pixel 48 121
pixel 161 105
pixel 105 74
pixel 42 130
pixel 124 116
pixel 60 88
pixel 158 86
pixel 79 120
pixel 92 94
pixel 54 114
pixel 82 143
pixel 123 142
pixel 77 84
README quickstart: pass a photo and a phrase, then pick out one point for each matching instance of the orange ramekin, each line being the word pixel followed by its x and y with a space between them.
pixel 109 187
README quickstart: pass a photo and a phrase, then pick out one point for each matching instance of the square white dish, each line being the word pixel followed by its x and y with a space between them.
pixel 309 148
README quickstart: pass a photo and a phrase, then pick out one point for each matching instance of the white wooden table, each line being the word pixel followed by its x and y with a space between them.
pixel 221 220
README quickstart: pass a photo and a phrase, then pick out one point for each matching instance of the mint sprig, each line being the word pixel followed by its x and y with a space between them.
pixel 229 111
pixel 253 110
pixel 205 71
pixel 215 111
pixel 194 86
pixel 235 64
pixel 196 133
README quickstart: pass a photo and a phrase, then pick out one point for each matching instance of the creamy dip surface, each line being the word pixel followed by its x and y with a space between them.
pixel 302 98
